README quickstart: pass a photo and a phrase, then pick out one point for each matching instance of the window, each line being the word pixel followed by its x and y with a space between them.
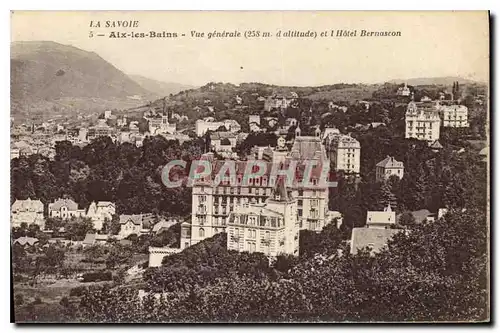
pixel 299 212
pixel 299 202
pixel 202 232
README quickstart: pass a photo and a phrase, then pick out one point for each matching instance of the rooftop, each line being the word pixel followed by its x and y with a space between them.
pixel 375 239
pixel 390 162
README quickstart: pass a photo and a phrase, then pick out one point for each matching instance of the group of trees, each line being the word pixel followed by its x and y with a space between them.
pixel 38 261
pixel 112 256
pixel 432 179
pixel 438 271
pixel 103 170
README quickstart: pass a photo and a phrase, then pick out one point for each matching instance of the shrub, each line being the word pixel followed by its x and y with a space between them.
pixel 64 302
pixel 18 278
pixel 19 299
pixel 97 276
pixel 77 291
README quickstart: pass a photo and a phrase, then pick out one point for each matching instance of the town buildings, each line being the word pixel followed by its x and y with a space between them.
pixel 389 167
pixel 254 123
pixel 159 124
pixel 208 124
pixel 99 130
pixel 223 142
pixel 65 209
pixel 270 227
pixel 422 121
pixel 279 101
pixel 27 211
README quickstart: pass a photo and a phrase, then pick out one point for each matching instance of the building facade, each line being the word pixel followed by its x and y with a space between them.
pixel 403 91
pixel 159 124
pixel 381 220
pixel 212 204
pixel 204 125
pixel 344 152
pixel 99 130
pixel 279 102
pixel 27 211
pixel 270 228
pixel 389 167
pixel 422 121
pixel 454 115
pixel 99 212
pixel 65 209
pixel 130 224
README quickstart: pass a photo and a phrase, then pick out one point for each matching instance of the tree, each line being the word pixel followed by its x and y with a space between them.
pixel 118 255
pixel 112 227
pixel 93 253
pixel 77 228
pixel 407 219
pixel 386 198
pixel 19 299
pixel 53 257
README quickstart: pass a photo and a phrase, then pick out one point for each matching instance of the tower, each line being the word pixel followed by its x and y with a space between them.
pixel 282 201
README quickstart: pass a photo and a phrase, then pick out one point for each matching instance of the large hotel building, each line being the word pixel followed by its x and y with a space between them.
pixel 422 121
pixel 213 205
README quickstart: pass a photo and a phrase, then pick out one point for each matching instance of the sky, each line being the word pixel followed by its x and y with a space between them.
pixel 432 44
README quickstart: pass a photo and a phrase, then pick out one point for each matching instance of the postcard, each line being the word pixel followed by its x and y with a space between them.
pixel 250 166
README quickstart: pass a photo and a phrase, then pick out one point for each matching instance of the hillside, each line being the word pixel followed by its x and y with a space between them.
pixel 439 81
pixel 48 71
pixel 159 87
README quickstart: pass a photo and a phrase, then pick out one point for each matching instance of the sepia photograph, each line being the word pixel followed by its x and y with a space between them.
pixel 250 167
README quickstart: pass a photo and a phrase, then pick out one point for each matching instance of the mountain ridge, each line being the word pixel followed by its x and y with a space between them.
pixel 49 70
pixel 438 80
pixel 161 88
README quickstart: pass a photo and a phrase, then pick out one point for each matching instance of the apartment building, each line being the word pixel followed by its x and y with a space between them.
pixel 454 115
pixel 344 152
pixel 422 121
